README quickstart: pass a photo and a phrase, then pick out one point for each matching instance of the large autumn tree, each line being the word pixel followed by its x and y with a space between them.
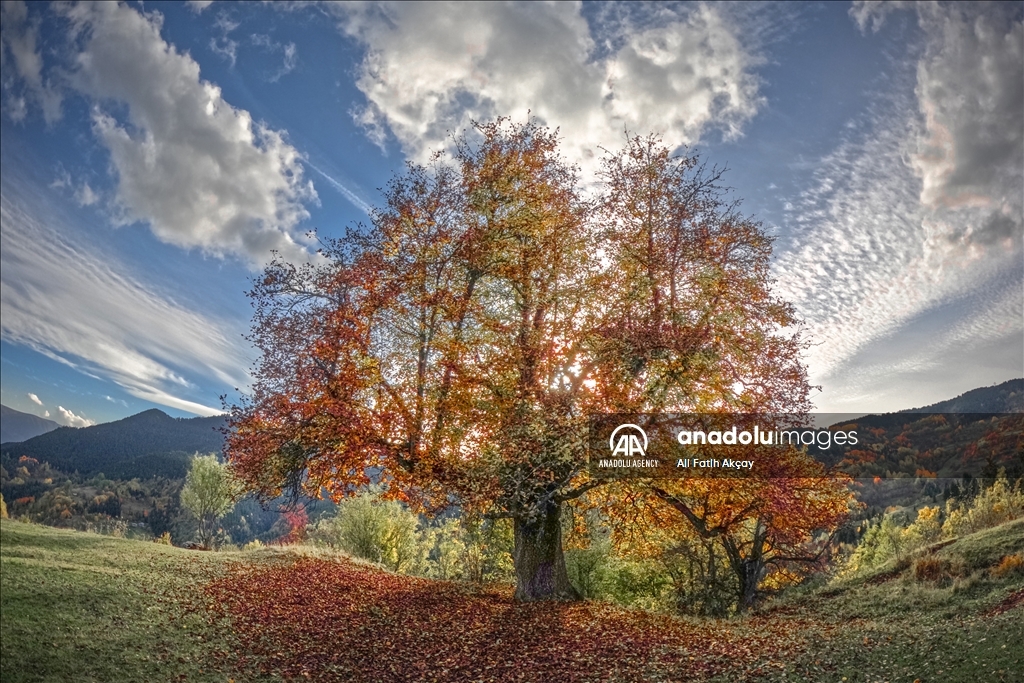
pixel 706 335
pixel 457 346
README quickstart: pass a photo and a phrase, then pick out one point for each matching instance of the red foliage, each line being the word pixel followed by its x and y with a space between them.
pixel 331 621
pixel 296 520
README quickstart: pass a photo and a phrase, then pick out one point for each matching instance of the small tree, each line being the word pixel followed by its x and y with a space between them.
pixel 209 493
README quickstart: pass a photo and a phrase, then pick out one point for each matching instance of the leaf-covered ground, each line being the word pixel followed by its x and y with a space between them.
pixel 336 620
pixel 332 619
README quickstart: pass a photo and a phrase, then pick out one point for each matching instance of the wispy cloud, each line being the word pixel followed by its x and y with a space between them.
pixel 24 80
pixel 75 306
pixel 289 52
pixel 922 210
pixel 223 44
pixel 35 399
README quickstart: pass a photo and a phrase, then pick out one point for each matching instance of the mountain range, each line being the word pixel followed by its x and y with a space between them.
pixel 154 444
pixel 148 444
pixel 1007 397
pixel 18 426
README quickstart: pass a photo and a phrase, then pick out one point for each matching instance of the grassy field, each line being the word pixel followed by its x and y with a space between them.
pixel 83 607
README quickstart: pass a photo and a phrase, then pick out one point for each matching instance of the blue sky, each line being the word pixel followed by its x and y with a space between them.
pixel 153 155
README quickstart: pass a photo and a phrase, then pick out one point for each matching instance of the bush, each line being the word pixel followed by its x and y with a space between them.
pixel 163 539
pixel 3 507
pixel 929 569
pixel 1010 565
pixel 381 531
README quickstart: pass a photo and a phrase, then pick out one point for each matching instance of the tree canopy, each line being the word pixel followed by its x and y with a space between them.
pixel 458 345
pixel 209 493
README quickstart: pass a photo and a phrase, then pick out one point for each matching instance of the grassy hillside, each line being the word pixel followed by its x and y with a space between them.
pixel 84 607
pixel 91 608
pixel 953 612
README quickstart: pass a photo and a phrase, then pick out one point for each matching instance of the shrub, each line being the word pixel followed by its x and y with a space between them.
pixel 3 507
pixel 929 569
pixel 163 539
pixel 254 544
pixel 381 531
pixel 1010 564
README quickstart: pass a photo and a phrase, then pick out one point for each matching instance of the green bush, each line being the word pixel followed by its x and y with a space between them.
pixel 381 531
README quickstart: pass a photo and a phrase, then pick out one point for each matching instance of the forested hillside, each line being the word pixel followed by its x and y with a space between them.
pixel 141 446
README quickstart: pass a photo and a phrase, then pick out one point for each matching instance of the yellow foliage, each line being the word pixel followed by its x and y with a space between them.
pixel 1010 564
pixel 993 506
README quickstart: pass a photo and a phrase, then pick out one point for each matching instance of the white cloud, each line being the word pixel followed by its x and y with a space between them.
pixel 223 45
pixel 77 307
pixel 201 172
pixel 35 399
pixel 289 52
pixel 18 37
pixel 970 87
pixel 46 413
pixel 291 60
pixel 85 196
pixel 431 68
pixel 922 210
pixel 72 420
pixel 197 6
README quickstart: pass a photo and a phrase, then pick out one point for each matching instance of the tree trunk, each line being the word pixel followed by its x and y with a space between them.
pixel 539 561
pixel 749 574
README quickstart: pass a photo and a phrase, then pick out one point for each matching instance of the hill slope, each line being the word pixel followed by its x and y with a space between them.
pixel 148 444
pixel 18 426
pixel 86 607
pixel 1007 397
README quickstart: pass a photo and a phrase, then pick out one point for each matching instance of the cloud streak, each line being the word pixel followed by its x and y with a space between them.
pixel 67 302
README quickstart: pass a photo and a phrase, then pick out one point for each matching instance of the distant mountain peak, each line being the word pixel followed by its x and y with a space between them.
pixel 141 445
pixel 16 426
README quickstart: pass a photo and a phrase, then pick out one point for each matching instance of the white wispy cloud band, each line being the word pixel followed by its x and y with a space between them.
pixel 79 308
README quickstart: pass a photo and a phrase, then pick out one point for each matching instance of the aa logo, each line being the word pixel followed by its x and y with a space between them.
pixel 628 444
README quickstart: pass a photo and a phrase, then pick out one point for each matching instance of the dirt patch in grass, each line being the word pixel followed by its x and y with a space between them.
pixel 1014 599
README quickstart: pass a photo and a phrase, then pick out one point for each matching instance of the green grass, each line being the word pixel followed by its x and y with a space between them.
pixel 887 626
pixel 83 607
